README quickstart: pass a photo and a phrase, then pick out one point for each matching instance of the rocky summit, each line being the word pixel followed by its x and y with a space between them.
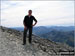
pixel 11 45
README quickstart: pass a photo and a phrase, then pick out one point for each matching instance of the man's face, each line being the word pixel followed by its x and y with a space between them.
pixel 30 12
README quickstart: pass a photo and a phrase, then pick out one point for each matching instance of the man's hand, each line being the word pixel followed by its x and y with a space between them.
pixel 25 27
pixel 34 24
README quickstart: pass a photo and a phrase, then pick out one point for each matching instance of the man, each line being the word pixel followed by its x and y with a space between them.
pixel 28 25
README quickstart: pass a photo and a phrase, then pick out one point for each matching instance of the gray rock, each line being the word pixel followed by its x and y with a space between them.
pixel 11 45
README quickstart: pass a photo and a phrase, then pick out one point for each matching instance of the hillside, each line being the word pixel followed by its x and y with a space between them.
pixel 60 36
pixel 11 45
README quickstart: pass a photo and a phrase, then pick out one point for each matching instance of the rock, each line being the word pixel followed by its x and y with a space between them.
pixel 11 45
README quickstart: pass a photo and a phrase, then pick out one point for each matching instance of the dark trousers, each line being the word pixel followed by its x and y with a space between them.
pixel 25 35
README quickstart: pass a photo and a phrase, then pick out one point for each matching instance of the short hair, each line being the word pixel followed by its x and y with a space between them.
pixel 30 10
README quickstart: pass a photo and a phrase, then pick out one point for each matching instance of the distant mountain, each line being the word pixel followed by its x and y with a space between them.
pixel 18 28
pixel 55 33
pixel 63 28
pixel 45 29
pixel 40 30
pixel 60 36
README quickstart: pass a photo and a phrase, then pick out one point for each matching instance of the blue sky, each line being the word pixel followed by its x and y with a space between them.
pixel 48 13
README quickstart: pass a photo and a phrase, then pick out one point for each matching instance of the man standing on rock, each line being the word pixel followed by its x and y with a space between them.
pixel 28 25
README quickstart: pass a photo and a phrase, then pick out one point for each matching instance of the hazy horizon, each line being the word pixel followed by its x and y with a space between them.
pixel 42 26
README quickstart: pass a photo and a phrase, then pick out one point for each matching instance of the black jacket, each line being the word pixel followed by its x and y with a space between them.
pixel 28 21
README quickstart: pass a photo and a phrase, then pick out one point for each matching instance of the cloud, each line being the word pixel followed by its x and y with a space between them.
pixel 46 12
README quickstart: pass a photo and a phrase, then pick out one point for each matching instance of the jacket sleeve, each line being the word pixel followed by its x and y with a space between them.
pixel 34 19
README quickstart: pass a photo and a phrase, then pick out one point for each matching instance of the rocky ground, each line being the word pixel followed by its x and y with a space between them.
pixel 11 45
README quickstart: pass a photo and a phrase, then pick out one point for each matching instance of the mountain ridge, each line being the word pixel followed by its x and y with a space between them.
pixel 54 33
pixel 47 27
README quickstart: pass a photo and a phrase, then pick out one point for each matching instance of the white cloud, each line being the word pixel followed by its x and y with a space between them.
pixel 46 12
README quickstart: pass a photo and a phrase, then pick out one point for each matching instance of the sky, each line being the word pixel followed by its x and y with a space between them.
pixel 48 13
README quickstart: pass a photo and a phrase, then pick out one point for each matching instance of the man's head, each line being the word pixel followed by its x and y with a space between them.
pixel 29 12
